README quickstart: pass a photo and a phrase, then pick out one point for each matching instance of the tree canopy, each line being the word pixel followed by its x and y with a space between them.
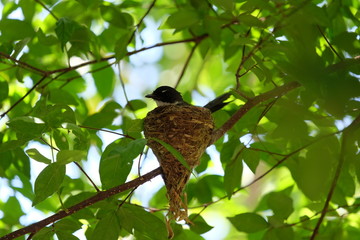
pixel 285 162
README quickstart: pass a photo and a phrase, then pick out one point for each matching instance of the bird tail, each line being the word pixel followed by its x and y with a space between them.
pixel 218 102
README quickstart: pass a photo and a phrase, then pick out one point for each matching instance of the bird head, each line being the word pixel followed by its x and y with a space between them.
pixel 166 95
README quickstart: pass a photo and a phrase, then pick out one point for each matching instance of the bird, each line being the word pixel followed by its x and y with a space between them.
pixel 166 95
pixel 188 129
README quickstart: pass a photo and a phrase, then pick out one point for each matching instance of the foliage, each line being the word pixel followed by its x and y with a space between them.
pixel 289 164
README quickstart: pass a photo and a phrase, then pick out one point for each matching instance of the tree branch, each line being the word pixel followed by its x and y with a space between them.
pixel 90 201
pixel 276 92
pixel 186 63
pixel 22 98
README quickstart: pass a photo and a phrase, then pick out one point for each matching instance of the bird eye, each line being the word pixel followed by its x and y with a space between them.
pixel 163 91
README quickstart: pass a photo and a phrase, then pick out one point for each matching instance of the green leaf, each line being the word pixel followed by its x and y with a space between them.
pixel 12 211
pixel 251 158
pixel 44 234
pixel 224 4
pixel 21 161
pixel 117 159
pixel 115 17
pixel 46 39
pixel 20 46
pixel 4 90
pixel 229 149
pixel 121 46
pixel 104 79
pixel 281 204
pixel 107 228
pixel 204 161
pixel 36 155
pixel 26 128
pixel 199 225
pixel 250 20
pixel 319 163
pixel 248 222
pixel 62 235
pixel 68 225
pixel 60 137
pixel 62 97
pixel 48 181
pixel 15 29
pixel 233 175
pixel 105 117
pixel 145 225
pixel 8 8
pixel 132 127
pixel 135 105
pixel 56 115
pixel 68 156
pixel 64 29
pixel 182 19
pixel 282 233
pixel 174 152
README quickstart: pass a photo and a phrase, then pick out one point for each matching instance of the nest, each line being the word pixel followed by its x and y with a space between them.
pixel 188 129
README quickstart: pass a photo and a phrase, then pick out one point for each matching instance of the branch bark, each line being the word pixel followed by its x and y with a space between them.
pixel 276 92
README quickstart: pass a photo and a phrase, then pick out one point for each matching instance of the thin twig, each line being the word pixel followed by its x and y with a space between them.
pixel 142 19
pixel 24 64
pixel 124 91
pixel 127 197
pixel 47 9
pixel 22 98
pixel 108 131
pixel 330 45
pixel 186 64
pixel 87 176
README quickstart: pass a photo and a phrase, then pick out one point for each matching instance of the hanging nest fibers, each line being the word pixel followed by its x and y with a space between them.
pixel 188 129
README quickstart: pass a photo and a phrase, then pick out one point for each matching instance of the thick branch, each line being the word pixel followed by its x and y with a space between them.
pixel 276 92
pixel 90 201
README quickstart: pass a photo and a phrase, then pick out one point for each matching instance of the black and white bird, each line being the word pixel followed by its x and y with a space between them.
pixel 166 95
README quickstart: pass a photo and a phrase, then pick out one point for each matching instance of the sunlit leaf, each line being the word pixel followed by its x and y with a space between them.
pixel 68 156
pixel 281 204
pixel 15 29
pixel 248 222
pixel 104 78
pixel 136 219
pixel 200 225
pixel 117 160
pixel 65 27
pixel 48 181
pixel 182 19
pixel 36 155
pixel 107 228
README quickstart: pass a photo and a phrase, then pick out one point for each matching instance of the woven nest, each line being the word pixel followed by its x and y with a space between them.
pixel 188 129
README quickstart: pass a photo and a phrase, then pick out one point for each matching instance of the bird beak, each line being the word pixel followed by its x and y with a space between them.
pixel 151 96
